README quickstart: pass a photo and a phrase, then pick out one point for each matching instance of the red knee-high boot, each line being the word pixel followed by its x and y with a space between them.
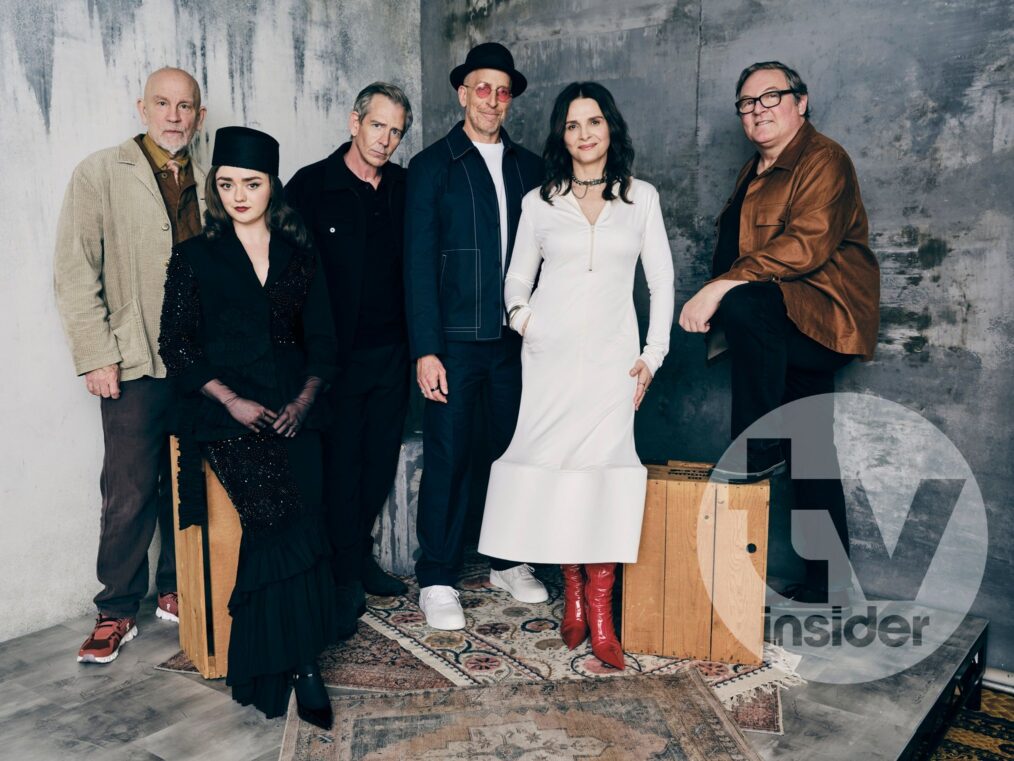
pixel 574 628
pixel 599 594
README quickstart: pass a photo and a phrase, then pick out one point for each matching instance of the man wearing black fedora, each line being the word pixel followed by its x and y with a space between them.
pixel 463 205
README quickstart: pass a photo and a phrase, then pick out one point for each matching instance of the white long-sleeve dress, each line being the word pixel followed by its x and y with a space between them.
pixel 570 487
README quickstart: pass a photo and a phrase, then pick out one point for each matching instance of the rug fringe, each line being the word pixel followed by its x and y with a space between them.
pixel 435 662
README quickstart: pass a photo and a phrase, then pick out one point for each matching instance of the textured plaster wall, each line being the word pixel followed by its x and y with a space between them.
pixel 70 72
pixel 919 93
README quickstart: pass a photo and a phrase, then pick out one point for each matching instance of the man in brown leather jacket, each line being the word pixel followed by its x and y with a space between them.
pixel 796 290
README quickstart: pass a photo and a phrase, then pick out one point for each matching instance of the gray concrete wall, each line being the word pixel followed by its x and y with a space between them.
pixel 70 71
pixel 919 93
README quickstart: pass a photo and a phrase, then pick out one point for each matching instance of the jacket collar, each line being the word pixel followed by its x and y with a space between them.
pixel 130 153
pixel 460 143
pixel 337 175
pixel 789 156
pixel 279 254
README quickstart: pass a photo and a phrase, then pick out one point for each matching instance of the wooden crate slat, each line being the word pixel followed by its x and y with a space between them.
pixel 644 581
pixel 688 568
pixel 224 533
pixel 741 525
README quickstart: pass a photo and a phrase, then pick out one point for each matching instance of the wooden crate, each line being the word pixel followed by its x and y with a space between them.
pixel 205 576
pixel 697 589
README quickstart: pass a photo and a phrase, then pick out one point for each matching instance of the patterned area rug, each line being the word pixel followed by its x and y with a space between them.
pixel 986 735
pixel 506 641
pixel 368 661
pixel 667 717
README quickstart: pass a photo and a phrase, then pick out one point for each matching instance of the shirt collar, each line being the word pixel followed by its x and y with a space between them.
pixel 460 143
pixel 789 156
pixel 338 176
pixel 161 156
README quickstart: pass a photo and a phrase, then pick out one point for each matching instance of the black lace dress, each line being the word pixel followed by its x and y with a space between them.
pixel 219 322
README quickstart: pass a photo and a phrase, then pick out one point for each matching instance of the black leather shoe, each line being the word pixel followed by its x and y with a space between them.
pixel 760 466
pixel 800 599
pixel 312 701
pixel 376 581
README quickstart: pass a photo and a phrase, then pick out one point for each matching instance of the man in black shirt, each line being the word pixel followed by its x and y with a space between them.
pixel 354 202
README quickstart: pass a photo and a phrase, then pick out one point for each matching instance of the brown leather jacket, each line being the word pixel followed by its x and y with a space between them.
pixel 804 227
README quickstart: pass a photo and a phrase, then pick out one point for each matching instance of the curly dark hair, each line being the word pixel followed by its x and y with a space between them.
pixel 559 166
pixel 280 217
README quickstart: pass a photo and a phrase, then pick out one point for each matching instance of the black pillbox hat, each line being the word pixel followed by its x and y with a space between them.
pixel 246 148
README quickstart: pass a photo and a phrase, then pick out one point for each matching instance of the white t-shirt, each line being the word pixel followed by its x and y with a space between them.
pixel 492 154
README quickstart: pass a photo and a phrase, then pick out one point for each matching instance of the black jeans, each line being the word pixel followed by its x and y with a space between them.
pixel 773 364
pixel 447 434
pixel 361 449
pixel 136 486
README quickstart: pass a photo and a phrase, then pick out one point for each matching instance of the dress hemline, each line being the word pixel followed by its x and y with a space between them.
pixel 547 515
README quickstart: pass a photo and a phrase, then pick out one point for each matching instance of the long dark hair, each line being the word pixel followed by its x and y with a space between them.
pixel 280 217
pixel 558 162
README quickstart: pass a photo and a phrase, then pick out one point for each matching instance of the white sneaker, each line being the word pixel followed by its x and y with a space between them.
pixel 440 605
pixel 519 581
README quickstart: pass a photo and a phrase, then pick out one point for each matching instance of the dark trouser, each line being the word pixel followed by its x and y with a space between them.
pixel 361 450
pixel 773 364
pixel 136 490
pixel 447 439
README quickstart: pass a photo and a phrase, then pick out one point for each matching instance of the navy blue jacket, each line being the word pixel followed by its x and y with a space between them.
pixel 453 273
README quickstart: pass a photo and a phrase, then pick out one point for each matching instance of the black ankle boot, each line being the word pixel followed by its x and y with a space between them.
pixel 378 582
pixel 312 701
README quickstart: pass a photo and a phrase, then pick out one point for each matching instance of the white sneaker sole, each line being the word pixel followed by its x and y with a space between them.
pixel 165 615
pixel 502 586
pixel 97 659
pixel 432 621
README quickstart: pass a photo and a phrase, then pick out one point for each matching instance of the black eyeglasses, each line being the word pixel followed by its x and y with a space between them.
pixel 768 99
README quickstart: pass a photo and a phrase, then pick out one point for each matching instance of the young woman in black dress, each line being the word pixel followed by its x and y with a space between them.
pixel 248 336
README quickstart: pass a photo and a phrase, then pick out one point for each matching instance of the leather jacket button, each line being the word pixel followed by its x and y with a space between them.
pixel 165 225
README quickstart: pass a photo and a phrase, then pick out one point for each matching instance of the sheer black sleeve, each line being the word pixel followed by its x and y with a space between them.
pixel 179 341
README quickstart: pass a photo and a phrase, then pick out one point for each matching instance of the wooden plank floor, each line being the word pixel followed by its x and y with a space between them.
pixel 55 709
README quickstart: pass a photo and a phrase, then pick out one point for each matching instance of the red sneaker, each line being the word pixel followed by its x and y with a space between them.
pixel 168 607
pixel 106 638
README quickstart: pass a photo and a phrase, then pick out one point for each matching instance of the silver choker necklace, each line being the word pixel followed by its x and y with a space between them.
pixel 586 183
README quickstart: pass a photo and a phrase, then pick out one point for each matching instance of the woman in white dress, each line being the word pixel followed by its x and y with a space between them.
pixel 570 488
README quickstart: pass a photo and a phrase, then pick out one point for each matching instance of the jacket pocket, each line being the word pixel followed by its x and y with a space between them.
pixel 771 214
pixel 459 288
pixel 125 323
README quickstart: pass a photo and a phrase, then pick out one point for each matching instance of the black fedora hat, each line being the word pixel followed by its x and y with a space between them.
pixel 490 55
pixel 245 148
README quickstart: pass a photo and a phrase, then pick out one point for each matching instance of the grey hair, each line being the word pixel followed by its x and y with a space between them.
pixel 796 82
pixel 393 92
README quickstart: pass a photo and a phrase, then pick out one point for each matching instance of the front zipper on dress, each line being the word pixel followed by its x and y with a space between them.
pixel 591 252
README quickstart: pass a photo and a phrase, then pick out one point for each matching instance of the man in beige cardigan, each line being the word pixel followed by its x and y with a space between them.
pixel 124 210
